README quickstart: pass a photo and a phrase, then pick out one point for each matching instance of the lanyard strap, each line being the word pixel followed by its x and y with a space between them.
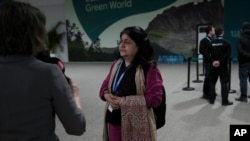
pixel 208 39
pixel 220 38
pixel 117 81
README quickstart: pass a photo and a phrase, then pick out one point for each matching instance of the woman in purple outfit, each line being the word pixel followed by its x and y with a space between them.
pixel 131 89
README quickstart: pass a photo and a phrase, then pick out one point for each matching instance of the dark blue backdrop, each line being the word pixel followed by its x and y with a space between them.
pixel 235 13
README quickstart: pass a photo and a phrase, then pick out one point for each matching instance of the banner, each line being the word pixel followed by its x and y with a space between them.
pixel 96 15
pixel 94 26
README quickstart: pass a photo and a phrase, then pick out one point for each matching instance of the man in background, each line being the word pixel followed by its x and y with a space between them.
pixel 204 45
pixel 243 47
pixel 220 51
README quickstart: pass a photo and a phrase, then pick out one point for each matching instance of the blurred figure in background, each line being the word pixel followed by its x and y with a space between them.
pixel 220 51
pixel 204 46
pixel 243 47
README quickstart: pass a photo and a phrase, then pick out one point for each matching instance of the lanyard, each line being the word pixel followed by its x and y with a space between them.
pixel 117 80
pixel 208 39
pixel 220 38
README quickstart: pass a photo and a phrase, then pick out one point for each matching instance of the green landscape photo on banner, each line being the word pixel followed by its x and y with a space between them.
pixel 94 26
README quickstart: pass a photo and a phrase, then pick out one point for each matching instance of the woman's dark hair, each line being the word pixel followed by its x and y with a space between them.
pixel 139 36
pixel 22 28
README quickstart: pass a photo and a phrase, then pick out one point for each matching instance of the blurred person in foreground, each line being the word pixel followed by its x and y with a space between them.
pixel 131 89
pixel 32 92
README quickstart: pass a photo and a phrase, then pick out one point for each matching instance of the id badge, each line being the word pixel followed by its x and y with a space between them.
pixel 110 108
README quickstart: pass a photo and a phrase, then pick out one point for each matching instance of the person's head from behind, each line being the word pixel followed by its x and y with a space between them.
pixel 135 45
pixel 245 27
pixel 210 30
pixel 22 29
pixel 219 31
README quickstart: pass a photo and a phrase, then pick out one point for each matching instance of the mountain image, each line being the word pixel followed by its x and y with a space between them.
pixel 174 31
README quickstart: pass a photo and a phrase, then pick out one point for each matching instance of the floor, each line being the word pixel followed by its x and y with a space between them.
pixel 189 118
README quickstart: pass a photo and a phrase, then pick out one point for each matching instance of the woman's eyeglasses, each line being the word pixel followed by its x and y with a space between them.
pixel 126 42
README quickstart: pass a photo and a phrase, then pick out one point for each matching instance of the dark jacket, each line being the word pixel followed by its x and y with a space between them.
pixel 243 47
pixel 32 93
pixel 220 50
pixel 204 45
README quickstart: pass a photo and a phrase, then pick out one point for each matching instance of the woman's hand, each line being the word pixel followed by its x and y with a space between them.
pixel 113 101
